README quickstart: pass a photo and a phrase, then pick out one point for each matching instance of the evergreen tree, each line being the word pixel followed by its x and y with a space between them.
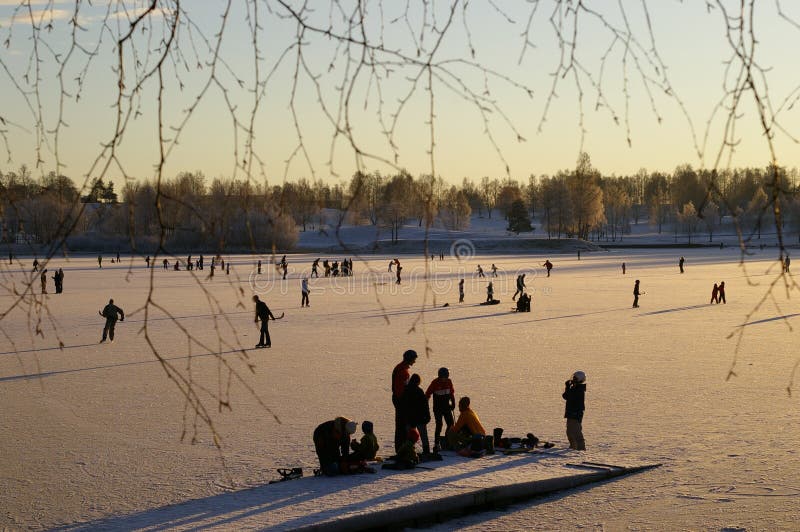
pixel 518 219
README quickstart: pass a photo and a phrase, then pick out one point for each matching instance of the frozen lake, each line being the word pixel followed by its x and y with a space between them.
pixel 94 430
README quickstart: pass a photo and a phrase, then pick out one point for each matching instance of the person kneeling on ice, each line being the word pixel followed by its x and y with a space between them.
pixel 468 425
pixel 368 447
pixel 332 443
pixel 574 392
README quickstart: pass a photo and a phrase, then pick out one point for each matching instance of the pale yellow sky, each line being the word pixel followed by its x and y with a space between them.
pixel 691 42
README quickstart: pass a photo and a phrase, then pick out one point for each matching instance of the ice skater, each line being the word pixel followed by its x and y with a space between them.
pixel 43 279
pixel 520 286
pixel 259 266
pixel 165 263
pixel 304 289
pixel 549 265
pixel 623 268
pixel 58 279
pixel 35 264
pixel 398 269
pixel 786 262
pixel 715 294
pixel 444 403
pixel 636 294
pixel 147 260
pixel 574 393
pixel 721 296
pixel 111 312
pixel 494 270
pixel 461 291
pixel 391 263
pixel 490 292
pixel 680 264
pixel 314 268
pixel 480 271
pixel 99 261
pixel 264 314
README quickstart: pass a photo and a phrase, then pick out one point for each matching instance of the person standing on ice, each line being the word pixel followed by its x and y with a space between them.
pixel 314 267
pixel 264 314
pixel 520 286
pixel 398 269
pixel 636 294
pixel 461 291
pixel 715 294
pixel 574 393
pixel 480 271
pixel 494 270
pixel 111 312
pixel 43 279
pixel 786 263
pixel 549 265
pixel 35 264
pixel 259 267
pixel 623 268
pixel 391 263
pixel 721 296
pixel 400 377
pixel 99 261
pixel 490 292
pixel 444 402
pixel 416 411
pixel 304 289
pixel 680 264
pixel 332 443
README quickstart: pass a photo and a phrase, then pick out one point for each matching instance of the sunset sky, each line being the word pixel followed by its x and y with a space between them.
pixel 689 37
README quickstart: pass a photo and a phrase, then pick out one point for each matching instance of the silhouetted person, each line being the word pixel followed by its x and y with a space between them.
pixel 43 279
pixel 680 264
pixel 111 312
pixel 259 267
pixel 264 314
pixel 549 265
pixel 574 393
pixel 490 293
pixel 786 263
pixel 480 271
pixel 285 267
pixel 391 263
pixel 520 286
pixel 314 267
pixel 165 263
pixel 461 291
pixel 398 270
pixel 400 377
pixel 35 264
pixel 715 294
pixel 147 260
pixel 117 256
pixel 178 265
pixel 494 270
pixel 99 261
pixel 636 294
pixel 228 268
pixel 623 268
pixel 10 258
pixel 721 297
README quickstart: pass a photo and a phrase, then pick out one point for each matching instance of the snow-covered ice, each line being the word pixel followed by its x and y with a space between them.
pixel 92 432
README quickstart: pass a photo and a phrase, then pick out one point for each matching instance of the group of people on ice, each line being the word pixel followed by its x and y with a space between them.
pixel 465 435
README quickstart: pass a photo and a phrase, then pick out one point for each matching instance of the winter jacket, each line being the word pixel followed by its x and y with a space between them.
pixel 444 395
pixel 400 375
pixel 111 311
pixel 367 448
pixel 415 406
pixel 574 394
pixel 331 441
pixel 262 311
pixel 469 419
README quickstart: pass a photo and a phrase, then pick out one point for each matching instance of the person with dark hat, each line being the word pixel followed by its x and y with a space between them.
pixel 111 312
pixel 264 314
pixel 400 377
pixel 444 402
pixel 574 393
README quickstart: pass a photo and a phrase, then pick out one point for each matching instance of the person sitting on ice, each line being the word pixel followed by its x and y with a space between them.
pixel 332 443
pixel 406 457
pixel 368 447
pixel 524 303
pixel 467 425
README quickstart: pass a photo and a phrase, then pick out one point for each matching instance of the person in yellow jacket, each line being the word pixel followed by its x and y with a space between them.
pixel 467 425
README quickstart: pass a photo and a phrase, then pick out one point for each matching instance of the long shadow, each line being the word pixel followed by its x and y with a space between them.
pixel 473 317
pixel 20 351
pixel 225 509
pixel 766 320
pixel 676 309
pixel 581 315
pixel 108 366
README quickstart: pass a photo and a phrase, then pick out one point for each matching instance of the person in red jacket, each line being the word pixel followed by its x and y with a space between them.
pixel 444 402
pixel 400 377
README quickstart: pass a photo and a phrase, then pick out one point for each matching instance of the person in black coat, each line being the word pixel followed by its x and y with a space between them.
pixel 332 443
pixel 264 314
pixel 111 312
pixel 416 411
pixel 574 393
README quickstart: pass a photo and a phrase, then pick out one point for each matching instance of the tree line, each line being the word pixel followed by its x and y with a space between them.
pixel 187 211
